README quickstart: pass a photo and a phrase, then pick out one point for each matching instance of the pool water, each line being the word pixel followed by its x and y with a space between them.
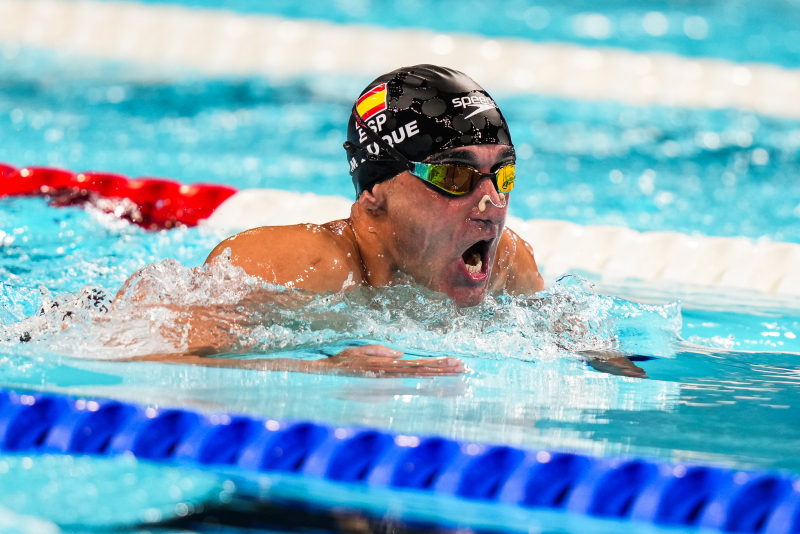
pixel 740 30
pixel 87 492
pixel 697 171
pixel 722 389
pixel 723 381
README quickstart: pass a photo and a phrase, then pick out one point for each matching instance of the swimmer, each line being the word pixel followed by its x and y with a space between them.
pixel 432 163
pixel 433 166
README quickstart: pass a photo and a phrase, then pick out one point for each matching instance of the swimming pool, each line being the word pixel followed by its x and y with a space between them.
pixel 722 389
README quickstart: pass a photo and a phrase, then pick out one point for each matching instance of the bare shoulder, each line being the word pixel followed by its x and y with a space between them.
pixel 307 256
pixel 515 268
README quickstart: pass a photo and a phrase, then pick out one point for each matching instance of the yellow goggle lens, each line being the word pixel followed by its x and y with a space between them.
pixel 458 180
pixel 505 179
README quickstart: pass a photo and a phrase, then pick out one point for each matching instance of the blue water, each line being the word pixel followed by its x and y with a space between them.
pixel 722 386
pixel 591 163
pixel 89 493
pixel 739 30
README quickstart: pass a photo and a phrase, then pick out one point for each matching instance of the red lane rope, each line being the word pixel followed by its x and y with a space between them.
pixel 152 203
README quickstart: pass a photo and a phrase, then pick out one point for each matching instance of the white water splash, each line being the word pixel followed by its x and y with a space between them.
pixel 169 308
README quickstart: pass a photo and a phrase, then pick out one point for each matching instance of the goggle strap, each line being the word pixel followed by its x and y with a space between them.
pixel 381 143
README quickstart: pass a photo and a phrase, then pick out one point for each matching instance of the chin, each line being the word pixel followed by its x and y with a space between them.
pixel 467 297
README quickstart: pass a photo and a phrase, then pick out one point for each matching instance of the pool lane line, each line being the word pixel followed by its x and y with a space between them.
pixel 764 273
pixel 636 489
pixel 152 203
pixel 216 42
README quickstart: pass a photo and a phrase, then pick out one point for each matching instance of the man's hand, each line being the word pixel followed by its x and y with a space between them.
pixel 373 361
pixel 382 362
pixel 614 365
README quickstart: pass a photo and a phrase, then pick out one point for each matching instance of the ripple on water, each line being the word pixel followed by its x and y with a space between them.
pixel 153 311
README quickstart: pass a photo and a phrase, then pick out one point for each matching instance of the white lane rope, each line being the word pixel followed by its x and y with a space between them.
pixel 614 256
pixel 217 42
pixel 214 42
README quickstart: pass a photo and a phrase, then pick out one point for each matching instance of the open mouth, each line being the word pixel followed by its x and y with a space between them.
pixel 475 257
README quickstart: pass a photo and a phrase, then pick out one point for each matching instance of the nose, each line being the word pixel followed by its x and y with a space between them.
pixel 491 205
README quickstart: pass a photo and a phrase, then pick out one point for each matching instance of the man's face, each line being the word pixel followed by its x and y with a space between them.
pixel 445 242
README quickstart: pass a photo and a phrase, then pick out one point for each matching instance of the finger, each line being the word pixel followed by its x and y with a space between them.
pixel 354 361
pixel 415 373
pixel 443 367
pixel 436 363
pixel 379 351
pixel 431 373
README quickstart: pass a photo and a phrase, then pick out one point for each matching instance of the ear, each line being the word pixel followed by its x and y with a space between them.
pixel 374 200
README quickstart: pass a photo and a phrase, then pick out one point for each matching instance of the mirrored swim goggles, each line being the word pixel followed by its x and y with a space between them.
pixel 452 179
pixel 459 180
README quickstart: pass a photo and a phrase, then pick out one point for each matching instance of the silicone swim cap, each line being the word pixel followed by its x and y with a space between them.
pixel 419 111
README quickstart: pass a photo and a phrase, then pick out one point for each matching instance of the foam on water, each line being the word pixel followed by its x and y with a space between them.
pixel 717 172
pixel 529 386
pixel 159 308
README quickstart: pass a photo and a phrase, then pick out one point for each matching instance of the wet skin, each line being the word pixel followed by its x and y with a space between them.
pixel 401 227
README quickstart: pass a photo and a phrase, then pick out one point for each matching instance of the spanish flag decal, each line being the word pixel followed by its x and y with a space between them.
pixel 372 103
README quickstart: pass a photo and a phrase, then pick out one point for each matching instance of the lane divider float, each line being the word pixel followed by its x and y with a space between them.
pixel 672 264
pixel 217 42
pixel 152 203
pixel 637 489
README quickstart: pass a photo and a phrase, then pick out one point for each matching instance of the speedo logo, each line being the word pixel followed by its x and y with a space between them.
pixel 480 103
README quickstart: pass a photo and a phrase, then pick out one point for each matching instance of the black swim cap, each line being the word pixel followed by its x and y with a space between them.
pixel 419 111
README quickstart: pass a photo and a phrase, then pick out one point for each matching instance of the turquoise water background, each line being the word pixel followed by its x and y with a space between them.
pixel 647 168
pixel 740 30
pixel 722 389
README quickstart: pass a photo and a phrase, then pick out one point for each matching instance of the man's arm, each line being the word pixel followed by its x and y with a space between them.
pixel 205 331
pixel 201 332
pixel 517 273
pixel 374 361
pixel 311 257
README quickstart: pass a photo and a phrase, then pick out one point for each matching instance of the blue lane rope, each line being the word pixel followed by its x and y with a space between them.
pixel 636 489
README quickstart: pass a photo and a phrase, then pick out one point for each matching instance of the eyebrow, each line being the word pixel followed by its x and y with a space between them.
pixel 461 155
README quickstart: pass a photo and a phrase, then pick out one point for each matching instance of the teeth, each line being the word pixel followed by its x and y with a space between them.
pixel 477 264
pixel 474 269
